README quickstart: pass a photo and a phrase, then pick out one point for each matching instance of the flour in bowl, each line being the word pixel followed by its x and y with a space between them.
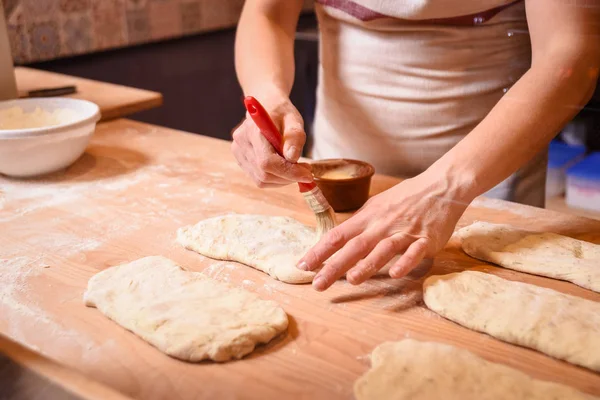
pixel 17 118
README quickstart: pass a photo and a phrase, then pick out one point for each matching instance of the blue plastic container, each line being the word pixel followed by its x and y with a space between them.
pixel 583 183
pixel 561 156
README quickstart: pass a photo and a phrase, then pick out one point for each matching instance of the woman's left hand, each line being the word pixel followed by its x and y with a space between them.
pixel 414 218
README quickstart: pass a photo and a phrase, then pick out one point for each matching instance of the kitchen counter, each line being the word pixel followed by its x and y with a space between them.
pixel 115 101
pixel 126 197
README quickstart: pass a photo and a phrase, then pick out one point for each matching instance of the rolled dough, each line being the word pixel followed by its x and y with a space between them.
pixel 562 326
pixel 184 314
pixel 270 244
pixel 545 254
pixel 413 370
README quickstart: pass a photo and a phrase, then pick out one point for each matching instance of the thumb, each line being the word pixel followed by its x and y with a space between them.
pixel 294 137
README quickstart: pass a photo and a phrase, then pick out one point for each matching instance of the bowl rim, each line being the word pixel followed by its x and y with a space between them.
pixel 369 174
pixel 94 117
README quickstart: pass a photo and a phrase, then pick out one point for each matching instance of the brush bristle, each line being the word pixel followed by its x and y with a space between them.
pixel 325 221
pixel 323 211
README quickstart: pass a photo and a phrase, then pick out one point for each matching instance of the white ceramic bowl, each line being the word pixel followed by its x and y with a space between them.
pixel 38 151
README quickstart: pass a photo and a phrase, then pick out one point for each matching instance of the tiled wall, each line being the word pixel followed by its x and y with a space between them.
pixel 48 29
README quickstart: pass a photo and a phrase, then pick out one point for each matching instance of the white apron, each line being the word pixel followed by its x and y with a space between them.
pixel 402 81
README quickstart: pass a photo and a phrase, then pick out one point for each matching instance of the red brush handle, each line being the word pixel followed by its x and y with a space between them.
pixel 268 129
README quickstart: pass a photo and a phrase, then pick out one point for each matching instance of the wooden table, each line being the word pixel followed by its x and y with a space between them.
pixel 559 204
pixel 125 198
pixel 25 374
pixel 115 101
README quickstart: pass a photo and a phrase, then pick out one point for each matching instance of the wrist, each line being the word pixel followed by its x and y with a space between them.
pixel 454 182
pixel 270 97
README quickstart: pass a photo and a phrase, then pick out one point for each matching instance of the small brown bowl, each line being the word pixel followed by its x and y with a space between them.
pixel 345 183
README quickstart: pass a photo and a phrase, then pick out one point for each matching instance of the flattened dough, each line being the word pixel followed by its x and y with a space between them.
pixel 184 314
pixel 560 325
pixel 270 244
pixel 413 370
pixel 545 254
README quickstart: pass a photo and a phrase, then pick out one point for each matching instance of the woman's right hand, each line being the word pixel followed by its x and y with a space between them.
pixel 257 157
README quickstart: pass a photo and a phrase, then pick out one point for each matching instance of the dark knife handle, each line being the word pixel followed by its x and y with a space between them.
pixel 52 92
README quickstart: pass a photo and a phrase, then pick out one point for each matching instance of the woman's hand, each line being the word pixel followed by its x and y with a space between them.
pixel 415 218
pixel 258 158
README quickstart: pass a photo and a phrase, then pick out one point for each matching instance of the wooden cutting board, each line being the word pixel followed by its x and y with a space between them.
pixel 115 101
pixel 126 197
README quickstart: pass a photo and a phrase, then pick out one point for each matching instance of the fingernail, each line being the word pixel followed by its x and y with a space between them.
pixel 292 153
pixel 353 276
pixel 319 283
pixel 307 179
pixel 302 265
pixel 395 272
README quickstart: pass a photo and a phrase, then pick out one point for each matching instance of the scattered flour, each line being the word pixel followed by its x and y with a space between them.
pixel 219 270
pixel 30 197
pixel 365 359
pixel 17 298
pixel 51 245
pixel 64 245
pixel 94 352
pixel 208 196
pixel 268 288
pixel 496 204
pixel 246 283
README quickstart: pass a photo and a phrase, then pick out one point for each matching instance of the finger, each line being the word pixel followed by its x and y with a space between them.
pixel 277 165
pixel 331 242
pixel 385 251
pixel 268 181
pixel 294 137
pixel 263 176
pixel 236 131
pixel 240 158
pixel 243 151
pixel 260 178
pixel 306 165
pixel 259 142
pixel 410 259
pixel 354 251
pixel 264 179
pixel 269 161
pixel 241 145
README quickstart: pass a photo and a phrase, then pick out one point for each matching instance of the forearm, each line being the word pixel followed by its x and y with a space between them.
pixel 264 47
pixel 522 124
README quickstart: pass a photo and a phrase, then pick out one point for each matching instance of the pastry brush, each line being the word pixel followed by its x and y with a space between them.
pixel 311 192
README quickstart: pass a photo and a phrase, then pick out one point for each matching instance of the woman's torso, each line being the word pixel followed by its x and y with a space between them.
pixel 400 84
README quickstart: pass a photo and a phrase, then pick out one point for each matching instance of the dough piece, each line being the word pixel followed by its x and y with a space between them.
pixel 560 325
pixel 413 370
pixel 184 314
pixel 545 254
pixel 270 244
